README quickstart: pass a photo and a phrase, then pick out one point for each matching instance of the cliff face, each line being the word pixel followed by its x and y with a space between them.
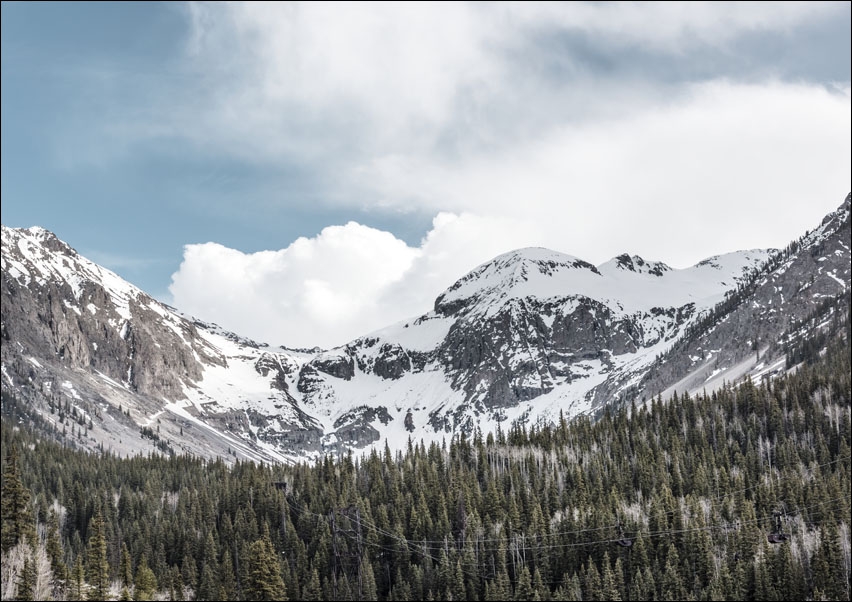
pixel 746 331
pixel 77 337
pixel 60 307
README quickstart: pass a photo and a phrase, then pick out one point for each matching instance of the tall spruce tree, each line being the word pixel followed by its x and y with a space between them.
pixel 97 564
pixel 263 572
pixel 18 523
pixel 145 583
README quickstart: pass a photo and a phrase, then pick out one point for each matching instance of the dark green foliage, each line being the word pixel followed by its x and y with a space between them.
pixel 17 520
pixel 97 565
pixel 27 581
pixel 263 571
pixel 145 584
pixel 530 512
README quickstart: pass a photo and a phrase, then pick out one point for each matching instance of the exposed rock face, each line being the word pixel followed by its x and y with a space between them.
pixel 75 335
pixel 526 336
pixel 355 428
pixel 120 332
pixel 750 323
pixel 637 264
pixel 339 366
pixel 482 355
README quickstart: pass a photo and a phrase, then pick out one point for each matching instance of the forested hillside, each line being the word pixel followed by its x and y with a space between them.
pixel 740 494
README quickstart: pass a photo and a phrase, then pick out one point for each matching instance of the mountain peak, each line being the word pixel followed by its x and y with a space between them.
pixel 634 263
pixel 530 271
pixel 38 236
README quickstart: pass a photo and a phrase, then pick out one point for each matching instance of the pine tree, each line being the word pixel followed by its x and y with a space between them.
pixel 827 565
pixel 17 520
pixel 312 590
pixel 368 581
pixel 609 584
pixel 77 580
pixel 672 587
pixel 263 571
pixel 145 584
pixel 592 587
pixel 524 590
pixel 97 565
pixel 176 585
pixel 125 567
pixel 54 548
pixel 226 576
pixel 189 574
pixel 27 580
pixel 208 586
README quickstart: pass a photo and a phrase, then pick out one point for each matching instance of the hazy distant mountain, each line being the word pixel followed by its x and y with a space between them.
pixel 526 336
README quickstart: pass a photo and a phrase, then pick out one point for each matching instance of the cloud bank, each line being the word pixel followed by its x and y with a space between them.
pixel 591 129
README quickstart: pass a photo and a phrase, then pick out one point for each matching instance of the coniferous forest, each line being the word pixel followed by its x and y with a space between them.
pixel 741 494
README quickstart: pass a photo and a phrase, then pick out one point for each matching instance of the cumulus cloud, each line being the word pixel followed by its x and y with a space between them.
pixel 303 295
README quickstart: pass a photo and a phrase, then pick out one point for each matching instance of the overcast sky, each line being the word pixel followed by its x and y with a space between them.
pixel 303 174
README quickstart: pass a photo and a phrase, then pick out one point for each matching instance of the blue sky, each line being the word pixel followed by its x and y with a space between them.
pixel 305 173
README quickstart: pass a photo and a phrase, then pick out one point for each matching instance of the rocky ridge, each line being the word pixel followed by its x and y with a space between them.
pixel 530 336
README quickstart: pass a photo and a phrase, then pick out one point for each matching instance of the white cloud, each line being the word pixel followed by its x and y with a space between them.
pixel 312 293
pixel 475 114
pixel 728 166
pixel 670 25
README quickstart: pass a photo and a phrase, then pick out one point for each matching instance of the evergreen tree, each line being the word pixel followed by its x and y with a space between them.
pixel 54 548
pixel 145 584
pixel 312 590
pixel 263 571
pixel 829 576
pixel 524 590
pixel 368 581
pixel 78 580
pixel 125 567
pixel 609 584
pixel 97 564
pixel 208 586
pixel 672 584
pixel 26 580
pixel 176 585
pixel 226 576
pixel 17 519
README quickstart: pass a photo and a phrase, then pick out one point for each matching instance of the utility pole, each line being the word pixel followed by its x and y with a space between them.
pixel 336 555
pixel 357 556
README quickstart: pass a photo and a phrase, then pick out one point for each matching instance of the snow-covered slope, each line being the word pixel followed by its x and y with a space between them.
pixel 529 336
pixel 625 284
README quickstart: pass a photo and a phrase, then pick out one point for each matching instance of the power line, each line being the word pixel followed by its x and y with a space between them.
pixel 419 545
pixel 440 543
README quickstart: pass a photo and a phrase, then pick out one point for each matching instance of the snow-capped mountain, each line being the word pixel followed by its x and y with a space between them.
pixel 527 336
pixel 89 353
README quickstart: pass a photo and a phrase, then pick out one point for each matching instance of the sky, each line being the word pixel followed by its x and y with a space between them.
pixel 303 174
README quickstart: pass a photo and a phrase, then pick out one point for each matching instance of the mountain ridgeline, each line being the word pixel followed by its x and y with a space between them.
pixel 529 338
